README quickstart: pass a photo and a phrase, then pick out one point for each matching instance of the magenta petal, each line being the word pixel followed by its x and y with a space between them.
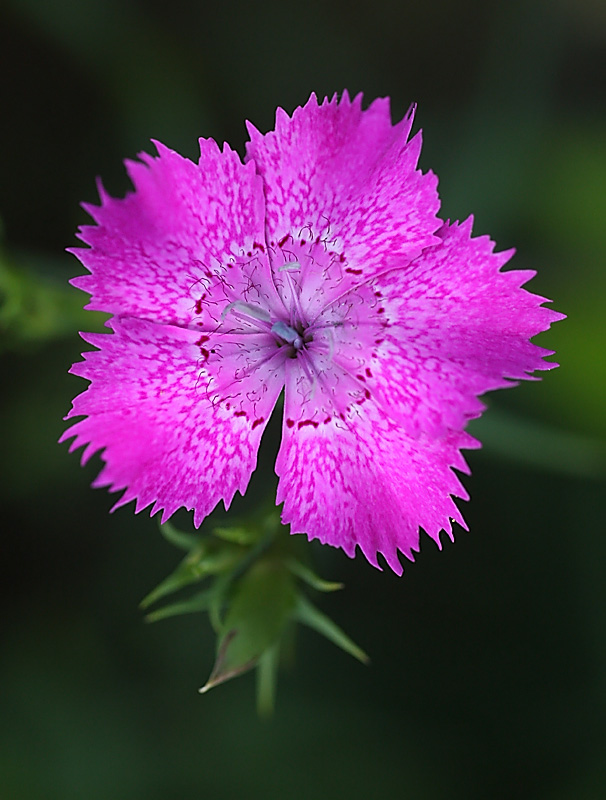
pixel 191 235
pixel 354 478
pixel 347 178
pixel 165 435
pixel 442 331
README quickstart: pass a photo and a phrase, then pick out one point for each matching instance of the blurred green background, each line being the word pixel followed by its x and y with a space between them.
pixel 488 675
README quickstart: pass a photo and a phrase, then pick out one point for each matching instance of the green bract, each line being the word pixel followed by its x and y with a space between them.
pixel 254 593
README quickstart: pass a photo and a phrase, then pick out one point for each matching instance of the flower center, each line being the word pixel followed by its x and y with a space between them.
pixel 291 331
pixel 289 335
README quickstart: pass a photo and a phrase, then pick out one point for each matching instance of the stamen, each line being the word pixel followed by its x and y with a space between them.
pixel 287 333
pixel 250 312
pixel 296 310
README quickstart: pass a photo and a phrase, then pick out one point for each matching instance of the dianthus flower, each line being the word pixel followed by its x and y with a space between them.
pixel 318 267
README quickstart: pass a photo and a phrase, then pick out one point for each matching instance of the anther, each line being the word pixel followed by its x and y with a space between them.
pixel 288 334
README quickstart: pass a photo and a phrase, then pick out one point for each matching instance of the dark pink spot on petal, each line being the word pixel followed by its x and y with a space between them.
pixel 305 422
pixel 257 422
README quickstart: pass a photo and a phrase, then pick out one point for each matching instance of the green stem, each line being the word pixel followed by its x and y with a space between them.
pixel 267 679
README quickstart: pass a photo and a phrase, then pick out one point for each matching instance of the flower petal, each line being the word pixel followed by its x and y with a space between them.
pixel 189 240
pixel 350 476
pixel 455 327
pixel 177 428
pixel 345 179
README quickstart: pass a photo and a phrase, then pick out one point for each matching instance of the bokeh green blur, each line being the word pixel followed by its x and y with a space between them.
pixel 488 674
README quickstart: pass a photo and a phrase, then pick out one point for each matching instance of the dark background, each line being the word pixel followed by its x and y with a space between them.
pixel 488 675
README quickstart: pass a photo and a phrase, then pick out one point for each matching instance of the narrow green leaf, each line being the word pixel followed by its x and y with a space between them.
pixel 238 534
pixel 184 541
pixel 310 578
pixel 184 575
pixel 309 615
pixel 199 602
pixel 209 558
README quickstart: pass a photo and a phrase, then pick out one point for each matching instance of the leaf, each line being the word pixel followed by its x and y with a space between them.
pixel 263 525
pixel 208 558
pixel 310 578
pixel 309 615
pixel 184 541
pixel 199 602
pixel 238 534
pixel 262 603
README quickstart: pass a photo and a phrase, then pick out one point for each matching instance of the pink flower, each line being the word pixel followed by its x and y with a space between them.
pixel 319 267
